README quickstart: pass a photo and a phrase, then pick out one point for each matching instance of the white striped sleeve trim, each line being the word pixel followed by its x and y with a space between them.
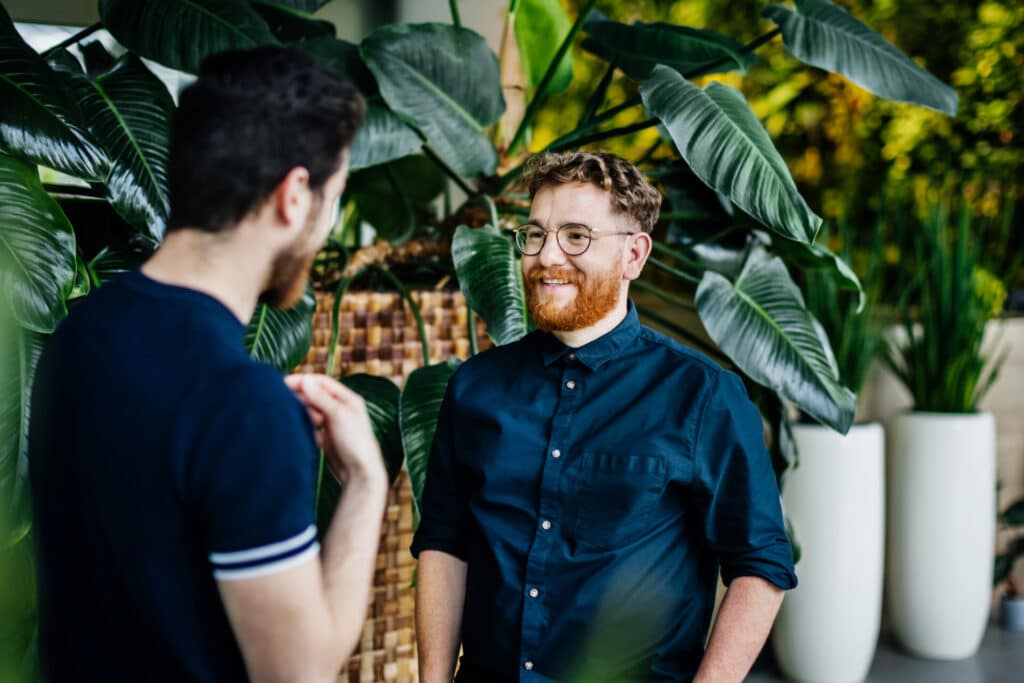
pixel 271 555
pixel 269 568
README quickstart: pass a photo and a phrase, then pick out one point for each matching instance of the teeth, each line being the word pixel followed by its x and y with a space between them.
pixel 556 282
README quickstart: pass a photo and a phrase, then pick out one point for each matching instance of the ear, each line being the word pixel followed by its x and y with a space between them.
pixel 635 255
pixel 292 199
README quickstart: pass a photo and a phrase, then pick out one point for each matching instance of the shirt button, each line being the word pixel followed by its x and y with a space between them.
pixel 570 385
pixel 572 356
pixel 534 592
pixel 545 525
pixel 556 453
pixel 528 665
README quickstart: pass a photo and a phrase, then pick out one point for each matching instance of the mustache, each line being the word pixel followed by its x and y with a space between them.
pixel 539 273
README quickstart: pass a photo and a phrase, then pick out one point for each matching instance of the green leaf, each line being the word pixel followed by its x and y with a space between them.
pixel 40 121
pixel 761 323
pixel 383 137
pixel 291 24
pixel 418 409
pixel 540 27
pixel 281 337
pixel 396 197
pixel 828 37
pixel 20 351
pixel 816 257
pixel 381 396
pixel 129 113
pixel 304 5
pixel 110 263
pixel 640 47
pixel 728 149
pixel 490 279
pixel 444 81
pixel 83 279
pixel 181 33
pixel 37 248
pixel 343 58
pixel 1014 515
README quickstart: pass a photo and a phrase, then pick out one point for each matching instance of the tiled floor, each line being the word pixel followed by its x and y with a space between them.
pixel 1000 660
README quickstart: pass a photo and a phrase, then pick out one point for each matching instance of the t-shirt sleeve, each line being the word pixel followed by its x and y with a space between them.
pixel 254 478
pixel 743 522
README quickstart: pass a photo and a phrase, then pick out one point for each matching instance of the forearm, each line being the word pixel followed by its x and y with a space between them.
pixel 440 595
pixel 744 621
pixel 349 555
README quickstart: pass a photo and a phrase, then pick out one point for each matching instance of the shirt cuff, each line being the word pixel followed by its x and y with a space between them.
pixel 266 559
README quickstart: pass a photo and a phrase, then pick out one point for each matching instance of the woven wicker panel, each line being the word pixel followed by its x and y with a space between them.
pixel 378 335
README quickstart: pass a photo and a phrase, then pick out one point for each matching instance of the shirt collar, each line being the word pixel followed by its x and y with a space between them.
pixel 599 351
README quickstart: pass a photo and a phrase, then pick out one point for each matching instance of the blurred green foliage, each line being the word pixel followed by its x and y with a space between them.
pixel 850 152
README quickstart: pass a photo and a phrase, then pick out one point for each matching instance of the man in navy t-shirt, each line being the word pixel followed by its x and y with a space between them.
pixel 173 477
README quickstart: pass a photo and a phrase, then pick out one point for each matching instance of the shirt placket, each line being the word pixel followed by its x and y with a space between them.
pixel 549 519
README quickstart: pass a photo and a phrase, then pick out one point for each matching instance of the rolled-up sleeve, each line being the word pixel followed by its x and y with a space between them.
pixel 445 506
pixel 743 521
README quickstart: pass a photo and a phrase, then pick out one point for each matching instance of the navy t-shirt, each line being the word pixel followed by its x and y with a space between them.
pixel 162 458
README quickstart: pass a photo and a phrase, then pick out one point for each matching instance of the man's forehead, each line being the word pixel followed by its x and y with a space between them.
pixel 570 203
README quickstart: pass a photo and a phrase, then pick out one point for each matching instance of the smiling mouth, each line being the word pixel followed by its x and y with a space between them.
pixel 549 281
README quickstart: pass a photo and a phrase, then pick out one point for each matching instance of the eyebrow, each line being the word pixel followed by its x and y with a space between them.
pixel 532 221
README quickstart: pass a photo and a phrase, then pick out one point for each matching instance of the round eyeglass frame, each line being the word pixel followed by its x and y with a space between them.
pixel 520 233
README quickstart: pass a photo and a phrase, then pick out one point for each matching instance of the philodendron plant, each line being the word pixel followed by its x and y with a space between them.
pixel 435 93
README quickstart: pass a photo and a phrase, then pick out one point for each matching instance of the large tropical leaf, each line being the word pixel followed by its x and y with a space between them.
pixel 19 353
pixel 444 81
pixel 540 28
pixel 490 277
pixel 281 337
pixel 638 48
pixel 40 121
pixel 343 58
pixel 290 23
pixel 110 263
pixel 304 5
pixel 817 257
pixel 761 323
pixel 828 37
pixel 181 33
pixel 383 137
pixel 418 409
pixel 37 248
pixel 381 396
pixel 726 146
pixel 397 197
pixel 129 113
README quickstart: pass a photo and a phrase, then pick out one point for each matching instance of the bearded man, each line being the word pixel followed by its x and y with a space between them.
pixel 173 477
pixel 589 482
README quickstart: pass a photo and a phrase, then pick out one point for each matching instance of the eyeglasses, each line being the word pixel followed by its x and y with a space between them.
pixel 573 238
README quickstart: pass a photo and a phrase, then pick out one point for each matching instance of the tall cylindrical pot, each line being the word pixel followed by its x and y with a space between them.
pixel 942 525
pixel 827 629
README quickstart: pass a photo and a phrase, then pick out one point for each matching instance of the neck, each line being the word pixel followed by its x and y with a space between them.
pixel 583 336
pixel 227 266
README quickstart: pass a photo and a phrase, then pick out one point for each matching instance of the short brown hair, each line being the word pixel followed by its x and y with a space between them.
pixel 632 194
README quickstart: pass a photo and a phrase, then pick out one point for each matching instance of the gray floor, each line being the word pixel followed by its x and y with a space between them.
pixel 1000 660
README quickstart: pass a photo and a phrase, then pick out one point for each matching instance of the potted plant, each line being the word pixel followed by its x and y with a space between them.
pixel 433 92
pixel 1011 606
pixel 834 498
pixel 942 452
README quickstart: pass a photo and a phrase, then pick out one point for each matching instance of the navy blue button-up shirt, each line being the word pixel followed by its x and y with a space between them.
pixel 595 493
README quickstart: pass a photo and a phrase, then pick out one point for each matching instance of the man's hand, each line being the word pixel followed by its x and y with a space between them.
pixel 343 426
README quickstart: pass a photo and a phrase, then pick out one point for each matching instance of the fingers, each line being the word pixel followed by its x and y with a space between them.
pixel 335 388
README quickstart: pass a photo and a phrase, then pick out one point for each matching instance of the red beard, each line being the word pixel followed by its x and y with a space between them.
pixel 288 279
pixel 595 298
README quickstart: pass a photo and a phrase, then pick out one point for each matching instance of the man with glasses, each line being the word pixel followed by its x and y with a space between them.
pixel 589 482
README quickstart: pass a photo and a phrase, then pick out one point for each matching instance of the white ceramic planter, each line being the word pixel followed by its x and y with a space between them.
pixel 941 531
pixel 827 628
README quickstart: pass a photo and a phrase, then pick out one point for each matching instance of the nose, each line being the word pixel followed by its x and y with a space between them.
pixel 551 254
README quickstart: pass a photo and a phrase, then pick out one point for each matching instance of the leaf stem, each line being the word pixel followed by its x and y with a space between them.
pixel 71 40
pixel 542 88
pixel 456 18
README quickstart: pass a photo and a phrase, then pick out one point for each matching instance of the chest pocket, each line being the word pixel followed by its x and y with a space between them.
pixel 616 495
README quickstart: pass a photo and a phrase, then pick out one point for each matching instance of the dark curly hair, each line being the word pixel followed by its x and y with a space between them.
pixel 251 117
